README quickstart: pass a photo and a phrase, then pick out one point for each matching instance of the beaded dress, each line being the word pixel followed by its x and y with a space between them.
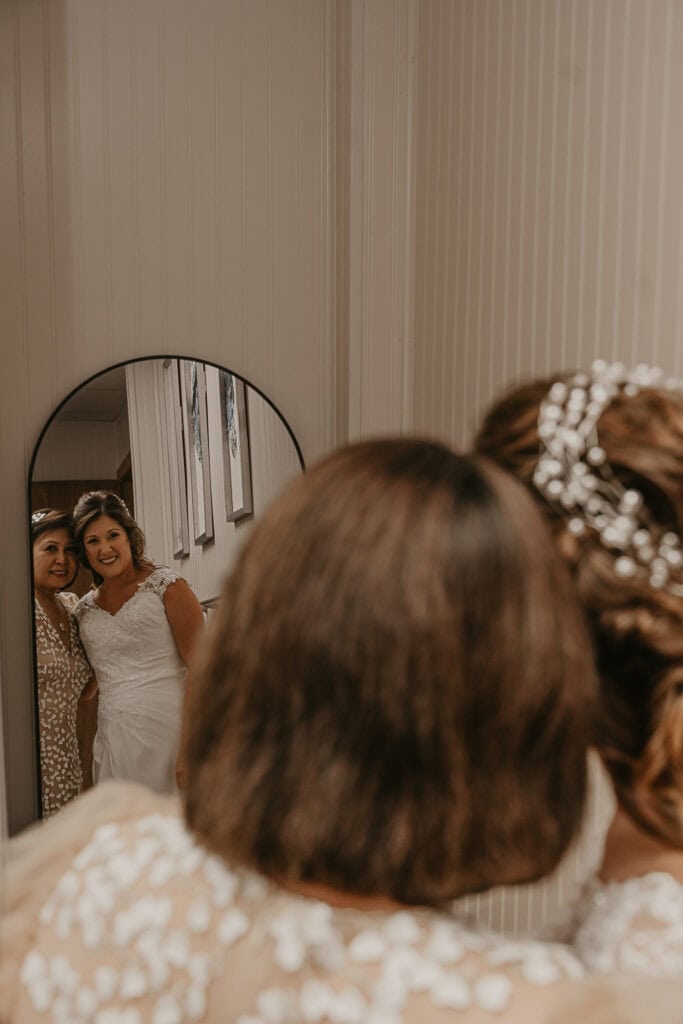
pixel 140 675
pixel 63 672
pixel 117 915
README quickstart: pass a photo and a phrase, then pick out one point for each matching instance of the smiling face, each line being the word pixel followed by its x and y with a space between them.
pixel 54 560
pixel 107 547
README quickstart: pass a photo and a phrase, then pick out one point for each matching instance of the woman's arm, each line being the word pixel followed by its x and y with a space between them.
pixel 185 617
pixel 89 690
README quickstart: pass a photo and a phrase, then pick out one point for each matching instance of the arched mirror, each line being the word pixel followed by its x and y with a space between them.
pixel 194 452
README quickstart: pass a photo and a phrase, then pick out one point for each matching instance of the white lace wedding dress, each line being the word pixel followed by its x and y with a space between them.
pixel 141 677
pixel 634 926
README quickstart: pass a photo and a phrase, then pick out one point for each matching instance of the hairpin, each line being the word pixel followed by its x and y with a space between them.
pixel 573 473
pixel 36 517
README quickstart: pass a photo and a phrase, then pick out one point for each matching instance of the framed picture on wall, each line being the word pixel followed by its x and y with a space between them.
pixel 196 419
pixel 176 459
pixel 236 463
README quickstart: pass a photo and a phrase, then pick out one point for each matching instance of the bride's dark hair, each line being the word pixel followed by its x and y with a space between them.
pixel 91 506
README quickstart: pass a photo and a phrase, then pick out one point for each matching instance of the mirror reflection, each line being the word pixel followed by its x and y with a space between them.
pixel 141 488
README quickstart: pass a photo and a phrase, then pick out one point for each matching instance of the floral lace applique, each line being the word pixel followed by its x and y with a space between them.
pixel 159 580
pixel 636 925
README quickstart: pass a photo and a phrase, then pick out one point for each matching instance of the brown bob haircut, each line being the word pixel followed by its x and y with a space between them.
pixel 637 630
pixel 397 696
pixel 91 506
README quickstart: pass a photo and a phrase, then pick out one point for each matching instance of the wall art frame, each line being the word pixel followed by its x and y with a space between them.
pixel 177 469
pixel 196 420
pixel 236 455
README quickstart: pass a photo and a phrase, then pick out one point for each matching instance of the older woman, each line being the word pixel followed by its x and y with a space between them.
pixel 394 710
pixel 64 674
pixel 601 451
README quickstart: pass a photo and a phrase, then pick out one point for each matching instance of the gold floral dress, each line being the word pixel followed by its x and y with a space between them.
pixel 63 671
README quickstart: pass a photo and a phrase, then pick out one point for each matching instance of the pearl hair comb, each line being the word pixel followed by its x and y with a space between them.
pixel 573 473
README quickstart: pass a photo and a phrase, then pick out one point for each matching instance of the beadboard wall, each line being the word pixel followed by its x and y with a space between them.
pixel 379 211
pixel 549 195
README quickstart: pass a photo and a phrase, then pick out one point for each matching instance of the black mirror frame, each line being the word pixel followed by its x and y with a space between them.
pixel 34 456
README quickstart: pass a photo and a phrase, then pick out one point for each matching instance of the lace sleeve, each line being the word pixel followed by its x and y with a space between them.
pixel 83 605
pixel 634 926
pixel 68 600
pixel 160 580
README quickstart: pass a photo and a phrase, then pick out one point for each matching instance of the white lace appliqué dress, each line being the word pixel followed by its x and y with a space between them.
pixel 634 926
pixel 141 677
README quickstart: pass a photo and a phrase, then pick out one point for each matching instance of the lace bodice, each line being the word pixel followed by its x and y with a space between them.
pixel 141 677
pixel 63 672
pixel 636 925
pixel 134 642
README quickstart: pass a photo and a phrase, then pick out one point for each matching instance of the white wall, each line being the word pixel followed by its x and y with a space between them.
pixel 77 451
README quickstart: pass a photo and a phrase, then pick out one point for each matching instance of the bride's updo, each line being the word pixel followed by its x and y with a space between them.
pixel 637 627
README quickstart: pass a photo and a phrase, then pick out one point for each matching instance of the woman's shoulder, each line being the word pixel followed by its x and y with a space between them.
pixel 69 600
pixel 36 860
pixel 175 930
pixel 159 579
pixel 636 923
pixel 140 917
pixel 84 604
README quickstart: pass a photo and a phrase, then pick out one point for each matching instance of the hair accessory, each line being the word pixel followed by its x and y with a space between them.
pixel 37 517
pixel 572 472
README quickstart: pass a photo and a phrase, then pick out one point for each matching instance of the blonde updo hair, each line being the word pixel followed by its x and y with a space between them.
pixel 638 630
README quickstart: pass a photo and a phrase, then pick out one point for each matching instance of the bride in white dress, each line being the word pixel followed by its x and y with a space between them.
pixel 138 629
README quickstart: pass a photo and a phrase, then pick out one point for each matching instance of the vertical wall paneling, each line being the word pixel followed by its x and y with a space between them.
pixel 548 195
pixel 382 133
pixel 342 199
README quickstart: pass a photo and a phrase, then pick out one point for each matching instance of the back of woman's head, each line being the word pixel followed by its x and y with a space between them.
pixel 397 695
pixel 637 626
